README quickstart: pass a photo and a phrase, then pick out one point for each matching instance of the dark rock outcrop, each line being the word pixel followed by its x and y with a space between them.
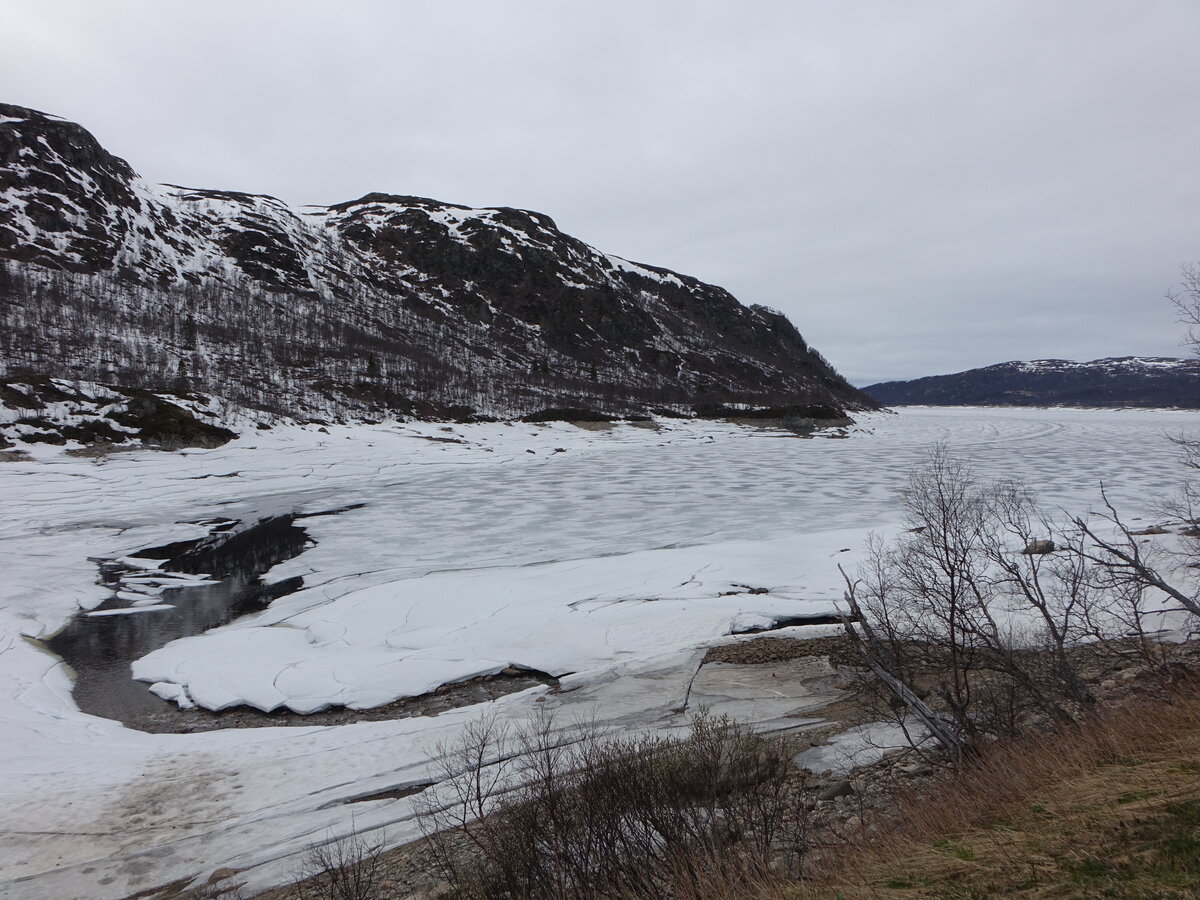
pixel 46 411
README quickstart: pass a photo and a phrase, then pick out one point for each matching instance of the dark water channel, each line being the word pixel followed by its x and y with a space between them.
pixel 101 649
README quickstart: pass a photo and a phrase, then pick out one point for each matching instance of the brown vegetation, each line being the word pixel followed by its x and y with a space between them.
pixel 568 813
pixel 1107 808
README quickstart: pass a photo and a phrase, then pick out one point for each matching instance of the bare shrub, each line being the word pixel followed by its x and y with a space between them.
pixel 215 890
pixel 557 813
pixel 1186 300
pixel 967 620
pixel 1125 566
pixel 971 622
pixel 346 869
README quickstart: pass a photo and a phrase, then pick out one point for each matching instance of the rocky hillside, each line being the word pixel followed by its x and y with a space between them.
pixel 385 304
pixel 1115 381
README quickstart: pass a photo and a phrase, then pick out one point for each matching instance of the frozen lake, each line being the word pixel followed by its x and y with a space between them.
pixel 606 557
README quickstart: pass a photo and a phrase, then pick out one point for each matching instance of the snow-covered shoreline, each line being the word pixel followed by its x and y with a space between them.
pixel 610 554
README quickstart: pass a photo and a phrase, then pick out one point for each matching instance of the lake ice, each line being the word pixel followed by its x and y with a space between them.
pixel 611 555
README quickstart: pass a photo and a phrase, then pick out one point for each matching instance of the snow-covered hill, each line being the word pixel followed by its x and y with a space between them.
pixel 1113 381
pixel 385 304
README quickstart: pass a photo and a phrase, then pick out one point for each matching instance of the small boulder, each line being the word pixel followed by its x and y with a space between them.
pixel 1037 548
pixel 835 790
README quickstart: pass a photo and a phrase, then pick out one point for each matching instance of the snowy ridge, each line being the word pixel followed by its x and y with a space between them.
pixel 1109 363
pixel 384 304
pixel 1112 381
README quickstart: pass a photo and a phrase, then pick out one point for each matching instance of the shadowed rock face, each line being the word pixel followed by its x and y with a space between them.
pixel 60 188
pixel 383 304
pixel 1116 381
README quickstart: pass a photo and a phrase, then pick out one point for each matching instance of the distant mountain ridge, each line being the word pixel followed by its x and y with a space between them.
pixel 1148 381
pixel 385 304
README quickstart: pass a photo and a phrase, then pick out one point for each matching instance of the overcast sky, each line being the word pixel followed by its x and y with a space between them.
pixel 923 187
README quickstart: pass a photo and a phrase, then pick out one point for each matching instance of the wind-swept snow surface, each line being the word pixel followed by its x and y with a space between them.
pixel 608 557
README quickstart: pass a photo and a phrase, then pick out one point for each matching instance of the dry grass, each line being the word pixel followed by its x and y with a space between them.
pixel 572 813
pixel 1109 809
